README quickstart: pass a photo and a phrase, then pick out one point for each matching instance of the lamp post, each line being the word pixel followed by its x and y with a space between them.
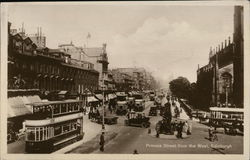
pixel 227 86
pixel 103 112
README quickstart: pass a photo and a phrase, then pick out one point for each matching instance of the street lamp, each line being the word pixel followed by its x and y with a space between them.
pixel 103 126
pixel 226 87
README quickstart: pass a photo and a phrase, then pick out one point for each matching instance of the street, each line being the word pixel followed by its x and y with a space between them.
pixel 134 138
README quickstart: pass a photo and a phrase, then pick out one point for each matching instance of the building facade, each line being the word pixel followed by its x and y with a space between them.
pixel 220 82
pixel 123 81
pixel 39 39
pixel 99 58
pixel 46 69
pixel 142 80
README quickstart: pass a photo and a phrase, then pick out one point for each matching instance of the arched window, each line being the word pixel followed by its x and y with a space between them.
pixel 227 82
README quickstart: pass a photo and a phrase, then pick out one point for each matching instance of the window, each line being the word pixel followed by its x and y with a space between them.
pixel 76 107
pixel 66 128
pixel 56 109
pixel 41 134
pixel 30 134
pixel 57 130
pixel 37 135
pixel 70 108
pixel 73 126
pixel 63 108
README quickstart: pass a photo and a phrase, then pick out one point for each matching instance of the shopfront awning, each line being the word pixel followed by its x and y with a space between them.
pixel 92 99
pixel 62 92
pixel 17 107
pixel 111 96
pixel 99 96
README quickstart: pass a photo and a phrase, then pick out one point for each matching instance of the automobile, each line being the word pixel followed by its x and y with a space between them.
pixel 122 103
pixel 131 101
pixel 153 111
pixel 158 101
pixel 139 102
pixel 151 96
pixel 108 120
pixel 137 119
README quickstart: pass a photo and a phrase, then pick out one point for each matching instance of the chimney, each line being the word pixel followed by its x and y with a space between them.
pixel 229 40
pixel 225 43
pixel 221 45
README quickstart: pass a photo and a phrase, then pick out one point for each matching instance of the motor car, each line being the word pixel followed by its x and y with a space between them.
pixel 152 111
pixel 151 96
pixel 139 102
pixel 137 119
pixel 121 103
pixel 108 120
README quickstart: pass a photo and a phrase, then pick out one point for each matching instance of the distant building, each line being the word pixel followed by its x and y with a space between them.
pixel 220 82
pixel 39 39
pixel 142 80
pixel 74 51
pixel 98 56
pixel 123 81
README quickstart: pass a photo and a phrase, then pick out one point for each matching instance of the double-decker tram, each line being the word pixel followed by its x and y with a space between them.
pixel 53 125
pixel 231 118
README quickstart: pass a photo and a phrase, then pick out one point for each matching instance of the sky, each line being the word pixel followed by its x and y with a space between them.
pixel 167 40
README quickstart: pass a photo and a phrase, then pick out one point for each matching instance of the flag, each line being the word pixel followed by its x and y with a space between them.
pixel 88 36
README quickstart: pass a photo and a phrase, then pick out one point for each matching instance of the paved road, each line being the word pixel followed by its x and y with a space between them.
pixel 131 138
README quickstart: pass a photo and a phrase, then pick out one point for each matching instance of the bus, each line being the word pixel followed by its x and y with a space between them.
pixel 53 125
pixel 227 118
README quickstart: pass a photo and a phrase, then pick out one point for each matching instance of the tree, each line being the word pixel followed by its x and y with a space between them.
pixel 180 87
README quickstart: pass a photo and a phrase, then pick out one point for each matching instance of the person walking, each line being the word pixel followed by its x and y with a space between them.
pixel 189 131
pixel 210 133
pixel 102 141
pixel 180 128
pixel 185 127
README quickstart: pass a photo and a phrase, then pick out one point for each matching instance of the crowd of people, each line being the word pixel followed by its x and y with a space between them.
pixel 167 125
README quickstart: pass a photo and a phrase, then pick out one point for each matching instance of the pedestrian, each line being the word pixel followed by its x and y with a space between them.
pixel 158 128
pixel 189 131
pixel 135 151
pixel 185 127
pixel 180 128
pixel 210 133
pixel 102 141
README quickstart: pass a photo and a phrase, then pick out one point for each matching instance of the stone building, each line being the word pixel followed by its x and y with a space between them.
pixel 98 56
pixel 220 82
pixel 49 70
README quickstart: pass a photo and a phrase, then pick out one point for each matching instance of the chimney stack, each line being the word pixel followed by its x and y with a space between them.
pixel 229 40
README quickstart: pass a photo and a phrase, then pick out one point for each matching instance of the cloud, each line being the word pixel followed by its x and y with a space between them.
pixel 165 47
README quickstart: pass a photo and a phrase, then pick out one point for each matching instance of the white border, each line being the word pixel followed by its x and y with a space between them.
pixel 3 87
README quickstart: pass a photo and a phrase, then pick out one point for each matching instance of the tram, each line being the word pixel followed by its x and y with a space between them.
pixel 227 118
pixel 53 125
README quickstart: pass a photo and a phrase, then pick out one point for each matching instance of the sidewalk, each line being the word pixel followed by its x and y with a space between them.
pixel 90 129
